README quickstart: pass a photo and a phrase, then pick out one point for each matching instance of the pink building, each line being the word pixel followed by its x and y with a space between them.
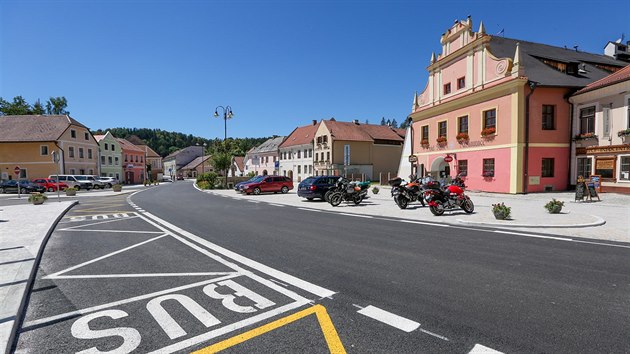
pixel 263 159
pixel 498 108
pixel 134 159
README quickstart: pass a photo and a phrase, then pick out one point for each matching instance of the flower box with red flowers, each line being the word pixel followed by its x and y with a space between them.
pixel 622 133
pixel 425 143
pixel 585 136
pixel 488 174
pixel 441 140
pixel 488 131
pixel 462 137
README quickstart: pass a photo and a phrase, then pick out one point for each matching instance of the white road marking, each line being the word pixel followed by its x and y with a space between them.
pixel 97 223
pixel 480 349
pixel 433 334
pixel 315 210
pixel 125 301
pixel 535 236
pixel 113 231
pixel 253 201
pixel 146 275
pixel 279 283
pixel 289 279
pixel 357 215
pixel 422 223
pixel 52 276
pixel 389 318
pixel 278 205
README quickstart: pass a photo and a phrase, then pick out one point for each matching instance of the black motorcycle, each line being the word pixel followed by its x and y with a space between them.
pixel 347 191
pixel 405 193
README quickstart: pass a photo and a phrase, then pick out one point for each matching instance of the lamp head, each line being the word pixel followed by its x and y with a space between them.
pixel 216 114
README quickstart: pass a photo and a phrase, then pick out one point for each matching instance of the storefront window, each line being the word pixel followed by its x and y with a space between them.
pixel 605 168
pixel 584 167
pixel 624 170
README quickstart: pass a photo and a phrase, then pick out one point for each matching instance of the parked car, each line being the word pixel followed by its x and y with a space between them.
pixel 11 186
pixel 180 177
pixel 96 183
pixel 237 187
pixel 316 186
pixel 50 184
pixel 269 184
pixel 109 181
pixel 74 181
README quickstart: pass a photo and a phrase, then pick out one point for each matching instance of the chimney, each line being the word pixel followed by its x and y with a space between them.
pixel 314 121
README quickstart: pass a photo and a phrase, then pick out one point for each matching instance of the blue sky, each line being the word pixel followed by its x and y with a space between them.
pixel 279 64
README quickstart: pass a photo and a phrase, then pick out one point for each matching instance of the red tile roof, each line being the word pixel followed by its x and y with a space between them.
pixel 34 127
pixel 361 132
pixel 616 77
pixel 126 145
pixel 240 162
pixel 301 135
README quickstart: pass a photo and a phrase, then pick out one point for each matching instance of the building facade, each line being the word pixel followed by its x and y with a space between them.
pixel 201 164
pixel 28 141
pixel 601 132
pixel 110 156
pixel 153 159
pixel 263 159
pixel 357 150
pixel 134 159
pixel 296 153
pixel 180 158
pixel 495 111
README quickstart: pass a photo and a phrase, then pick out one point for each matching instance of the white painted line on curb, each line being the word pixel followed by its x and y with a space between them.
pixel 278 205
pixel 389 318
pixel 142 275
pixel 480 349
pixel 423 223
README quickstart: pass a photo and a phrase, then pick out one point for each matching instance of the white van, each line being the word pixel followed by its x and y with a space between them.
pixel 72 181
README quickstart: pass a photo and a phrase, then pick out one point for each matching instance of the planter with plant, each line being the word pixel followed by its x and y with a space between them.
pixel 37 198
pixel 375 190
pixel 425 143
pixel 71 191
pixel 462 138
pixel 488 132
pixel 441 140
pixel 554 206
pixel 586 136
pixel 501 211
pixel 117 187
pixel 623 133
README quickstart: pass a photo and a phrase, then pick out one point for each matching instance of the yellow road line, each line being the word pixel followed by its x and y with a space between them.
pixel 330 333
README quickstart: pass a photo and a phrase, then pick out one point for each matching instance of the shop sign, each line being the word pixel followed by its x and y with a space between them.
pixel 413 158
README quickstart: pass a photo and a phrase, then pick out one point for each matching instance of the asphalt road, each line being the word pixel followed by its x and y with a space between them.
pixel 181 270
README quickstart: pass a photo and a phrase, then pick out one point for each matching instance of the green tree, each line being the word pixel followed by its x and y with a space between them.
pixel 383 121
pixel 57 105
pixel 19 106
pixel 394 123
pixel 38 108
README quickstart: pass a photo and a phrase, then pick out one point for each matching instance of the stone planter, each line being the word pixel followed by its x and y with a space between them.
pixel 71 192
pixel 556 209
pixel 117 188
pixel 38 201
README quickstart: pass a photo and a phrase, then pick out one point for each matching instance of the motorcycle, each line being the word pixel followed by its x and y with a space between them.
pixel 348 191
pixel 405 193
pixel 449 198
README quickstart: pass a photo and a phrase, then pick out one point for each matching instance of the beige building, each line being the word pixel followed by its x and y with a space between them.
pixel 601 132
pixel 355 149
pixel 28 141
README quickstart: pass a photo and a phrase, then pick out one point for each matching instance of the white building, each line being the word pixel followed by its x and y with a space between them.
pixel 296 153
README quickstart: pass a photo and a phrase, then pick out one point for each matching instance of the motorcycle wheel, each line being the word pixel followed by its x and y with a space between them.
pixel 335 199
pixel 437 210
pixel 401 201
pixel 357 199
pixel 468 206
pixel 327 195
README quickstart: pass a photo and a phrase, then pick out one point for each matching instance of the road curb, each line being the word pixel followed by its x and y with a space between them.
pixel 19 317
pixel 598 222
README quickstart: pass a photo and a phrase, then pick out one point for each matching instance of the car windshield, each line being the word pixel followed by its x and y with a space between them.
pixel 256 179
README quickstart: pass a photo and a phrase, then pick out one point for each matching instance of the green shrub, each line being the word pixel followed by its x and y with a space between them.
pixel 375 190
pixel 204 185
pixel 501 211
pixel 554 206
pixel 210 177
pixel 36 196
pixel 251 174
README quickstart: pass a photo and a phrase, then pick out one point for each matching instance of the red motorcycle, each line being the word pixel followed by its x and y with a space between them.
pixel 449 198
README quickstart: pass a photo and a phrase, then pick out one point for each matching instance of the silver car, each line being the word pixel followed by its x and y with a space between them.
pixel 108 181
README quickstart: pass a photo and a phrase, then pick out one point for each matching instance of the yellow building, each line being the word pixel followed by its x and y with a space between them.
pixel 28 142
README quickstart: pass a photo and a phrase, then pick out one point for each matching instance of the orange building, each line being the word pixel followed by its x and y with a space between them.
pixel 134 159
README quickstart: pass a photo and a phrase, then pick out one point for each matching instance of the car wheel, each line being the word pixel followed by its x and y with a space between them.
pixel 51 189
pixel 77 187
pixel 23 190
pixel 2 190
pixel 284 190
pixel 256 191
pixel 109 185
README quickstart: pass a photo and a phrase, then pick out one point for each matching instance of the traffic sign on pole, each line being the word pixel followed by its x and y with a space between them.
pixel 17 170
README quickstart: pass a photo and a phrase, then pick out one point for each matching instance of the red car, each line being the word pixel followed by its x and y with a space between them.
pixel 50 184
pixel 269 184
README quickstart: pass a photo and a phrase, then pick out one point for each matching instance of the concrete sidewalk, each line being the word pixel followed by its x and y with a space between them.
pixel 608 219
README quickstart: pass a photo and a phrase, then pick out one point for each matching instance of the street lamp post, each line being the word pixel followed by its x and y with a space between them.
pixel 227 114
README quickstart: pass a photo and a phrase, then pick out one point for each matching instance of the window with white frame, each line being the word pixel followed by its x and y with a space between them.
pixel 624 168
pixel 43 150
pixel 584 166
pixel 80 153
pixel 587 120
